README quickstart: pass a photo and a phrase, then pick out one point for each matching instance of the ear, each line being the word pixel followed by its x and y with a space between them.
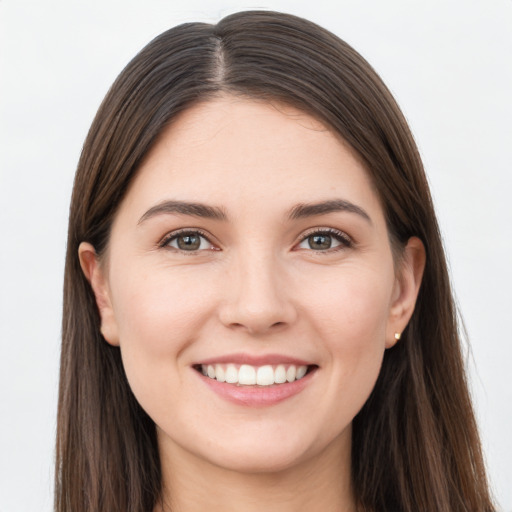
pixel 405 292
pixel 95 273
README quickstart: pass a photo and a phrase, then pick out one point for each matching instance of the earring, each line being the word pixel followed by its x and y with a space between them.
pixel 398 335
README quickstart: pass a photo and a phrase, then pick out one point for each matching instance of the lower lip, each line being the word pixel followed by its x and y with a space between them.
pixel 257 396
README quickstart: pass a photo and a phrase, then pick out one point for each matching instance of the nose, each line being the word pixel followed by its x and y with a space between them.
pixel 257 298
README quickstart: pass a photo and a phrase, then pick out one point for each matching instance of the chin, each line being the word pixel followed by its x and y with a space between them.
pixel 260 460
pixel 257 454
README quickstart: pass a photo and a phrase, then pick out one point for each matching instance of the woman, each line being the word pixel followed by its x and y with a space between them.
pixel 257 311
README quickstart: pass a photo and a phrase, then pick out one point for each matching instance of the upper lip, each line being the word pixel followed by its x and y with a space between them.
pixel 255 360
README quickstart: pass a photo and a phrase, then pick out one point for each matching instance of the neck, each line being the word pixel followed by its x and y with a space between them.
pixel 322 482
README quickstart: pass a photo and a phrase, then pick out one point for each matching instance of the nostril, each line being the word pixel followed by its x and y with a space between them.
pixel 251 327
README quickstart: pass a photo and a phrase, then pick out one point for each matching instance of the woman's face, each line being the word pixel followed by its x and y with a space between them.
pixel 252 247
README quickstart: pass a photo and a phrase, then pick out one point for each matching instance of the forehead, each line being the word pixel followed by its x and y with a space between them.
pixel 239 152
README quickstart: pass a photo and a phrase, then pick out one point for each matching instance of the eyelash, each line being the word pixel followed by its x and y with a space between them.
pixel 164 243
pixel 344 240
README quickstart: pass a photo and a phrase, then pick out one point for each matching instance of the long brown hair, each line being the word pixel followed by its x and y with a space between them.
pixel 415 441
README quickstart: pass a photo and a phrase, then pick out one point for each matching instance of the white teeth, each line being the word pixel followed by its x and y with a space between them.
pixel 220 374
pixel 265 376
pixel 247 375
pixel 231 374
pixel 301 371
pixel 280 375
pixel 291 373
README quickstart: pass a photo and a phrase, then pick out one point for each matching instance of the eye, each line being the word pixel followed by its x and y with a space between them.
pixel 325 240
pixel 187 241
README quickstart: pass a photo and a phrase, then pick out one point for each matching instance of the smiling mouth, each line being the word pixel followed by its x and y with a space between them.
pixel 248 375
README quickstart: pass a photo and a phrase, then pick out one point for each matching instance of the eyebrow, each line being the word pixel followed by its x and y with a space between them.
pixel 303 210
pixel 185 208
pixel 299 211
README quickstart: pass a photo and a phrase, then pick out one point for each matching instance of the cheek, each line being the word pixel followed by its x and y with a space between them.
pixel 352 306
pixel 350 318
pixel 158 311
pixel 159 314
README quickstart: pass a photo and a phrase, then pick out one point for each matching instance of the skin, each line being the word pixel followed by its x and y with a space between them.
pixel 256 286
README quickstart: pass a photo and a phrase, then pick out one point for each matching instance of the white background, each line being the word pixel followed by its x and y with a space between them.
pixel 449 63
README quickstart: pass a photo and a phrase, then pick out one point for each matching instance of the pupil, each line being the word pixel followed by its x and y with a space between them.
pixel 320 241
pixel 189 242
